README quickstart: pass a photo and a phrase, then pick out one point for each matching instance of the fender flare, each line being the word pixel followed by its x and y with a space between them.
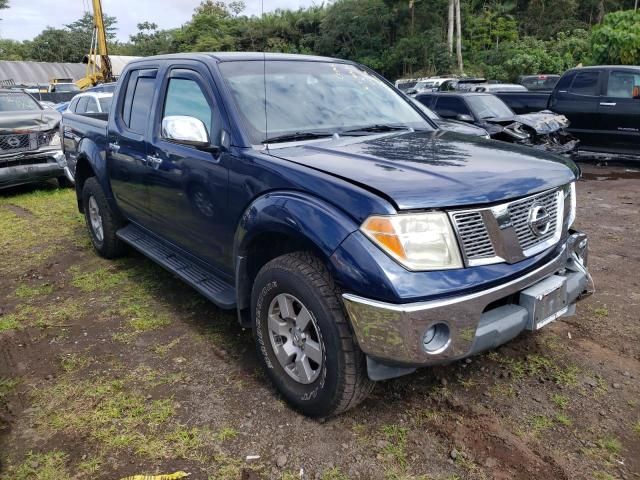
pixel 300 216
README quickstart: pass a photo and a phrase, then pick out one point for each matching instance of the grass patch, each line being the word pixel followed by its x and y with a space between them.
pixel 636 427
pixel 226 433
pixel 610 444
pixel 7 385
pixel 603 476
pixel 540 423
pixel 505 390
pixel 111 414
pixel 564 420
pixel 567 376
pixel 601 312
pixel 395 450
pixel 333 473
pixel 41 466
pixel 103 278
pixel 164 349
pixel 226 468
pixel 73 361
pixel 9 322
pixel 561 401
pixel 30 292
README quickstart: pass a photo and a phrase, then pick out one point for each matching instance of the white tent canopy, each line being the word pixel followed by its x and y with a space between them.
pixel 41 73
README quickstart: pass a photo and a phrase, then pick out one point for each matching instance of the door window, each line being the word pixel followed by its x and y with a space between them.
pixel 92 105
pixel 451 107
pixel 623 84
pixel 82 105
pixel 185 97
pixel 136 108
pixel 585 83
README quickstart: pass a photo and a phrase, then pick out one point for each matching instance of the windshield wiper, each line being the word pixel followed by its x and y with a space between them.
pixel 293 137
pixel 378 127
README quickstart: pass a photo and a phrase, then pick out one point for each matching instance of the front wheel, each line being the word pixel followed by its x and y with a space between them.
pixel 303 338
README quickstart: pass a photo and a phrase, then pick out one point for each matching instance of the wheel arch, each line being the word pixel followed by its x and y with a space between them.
pixel 280 223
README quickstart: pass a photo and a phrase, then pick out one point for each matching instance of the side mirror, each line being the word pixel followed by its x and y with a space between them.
pixel 636 93
pixel 463 117
pixel 185 130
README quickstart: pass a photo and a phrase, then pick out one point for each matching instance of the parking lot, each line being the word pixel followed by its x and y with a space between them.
pixel 112 368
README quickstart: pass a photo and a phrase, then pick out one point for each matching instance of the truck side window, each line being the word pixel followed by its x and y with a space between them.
pixel 185 97
pixel 621 84
pixel 565 82
pixel 585 83
pixel 74 104
pixel 82 105
pixel 141 104
pixel 451 107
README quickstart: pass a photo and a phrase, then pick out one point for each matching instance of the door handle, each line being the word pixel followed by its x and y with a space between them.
pixel 608 104
pixel 153 162
pixel 114 147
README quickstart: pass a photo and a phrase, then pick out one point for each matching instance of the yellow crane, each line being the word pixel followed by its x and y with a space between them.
pixel 98 62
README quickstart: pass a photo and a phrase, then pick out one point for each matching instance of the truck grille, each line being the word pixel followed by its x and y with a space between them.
pixel 473 235
pixel 519 212
pixel 18 143
pixel 487 235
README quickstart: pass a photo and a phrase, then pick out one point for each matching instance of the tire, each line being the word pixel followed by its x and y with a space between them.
pixel 106 243
pixel 64 182
pixel 337 383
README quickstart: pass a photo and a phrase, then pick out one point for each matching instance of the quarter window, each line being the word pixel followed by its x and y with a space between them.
pixel 82 105
pixel 585 83
pixel 451 107
pixel 623 85
pixel 185 97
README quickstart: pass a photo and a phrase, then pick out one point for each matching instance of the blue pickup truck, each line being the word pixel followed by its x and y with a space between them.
pixel 357 240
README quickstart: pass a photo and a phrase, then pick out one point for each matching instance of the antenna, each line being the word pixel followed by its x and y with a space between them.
pixel 264 75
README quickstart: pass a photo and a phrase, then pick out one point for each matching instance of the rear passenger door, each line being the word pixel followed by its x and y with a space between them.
pixel 127 147
pixel 619 110
pixel 579 103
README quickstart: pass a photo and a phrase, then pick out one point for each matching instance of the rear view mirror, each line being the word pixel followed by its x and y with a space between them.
pixel 185 130
pixel 463 117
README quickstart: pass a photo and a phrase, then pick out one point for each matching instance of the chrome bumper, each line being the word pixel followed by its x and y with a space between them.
pixel 392 334
pixel 54 165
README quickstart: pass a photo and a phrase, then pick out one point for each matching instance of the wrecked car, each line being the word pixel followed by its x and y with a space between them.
pixel 30 148
pixel 543 130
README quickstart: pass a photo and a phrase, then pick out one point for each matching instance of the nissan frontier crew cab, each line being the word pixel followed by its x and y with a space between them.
pixel 357 240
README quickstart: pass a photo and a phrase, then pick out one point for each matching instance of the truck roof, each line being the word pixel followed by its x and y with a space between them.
pixel 235 56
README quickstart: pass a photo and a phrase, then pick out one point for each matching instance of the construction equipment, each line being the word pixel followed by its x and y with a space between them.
pixel 98 62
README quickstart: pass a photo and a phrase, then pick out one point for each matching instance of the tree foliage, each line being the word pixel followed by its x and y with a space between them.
pixel 500 38
pixel 617 39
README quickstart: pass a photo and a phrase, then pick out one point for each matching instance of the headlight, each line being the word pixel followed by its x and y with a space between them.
pixel 55 140
pixel 571 193
pixel 422 241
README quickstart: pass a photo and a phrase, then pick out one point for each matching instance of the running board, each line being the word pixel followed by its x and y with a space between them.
pixel 203 280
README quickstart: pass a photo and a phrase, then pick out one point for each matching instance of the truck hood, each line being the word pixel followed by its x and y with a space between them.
pixel 30 121
pixel 416 170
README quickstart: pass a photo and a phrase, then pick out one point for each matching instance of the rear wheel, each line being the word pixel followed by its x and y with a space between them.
pixel 101 221
pixel 303 338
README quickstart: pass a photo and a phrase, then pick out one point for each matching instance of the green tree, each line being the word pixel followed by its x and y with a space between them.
pixel 617 39
pixel 151 41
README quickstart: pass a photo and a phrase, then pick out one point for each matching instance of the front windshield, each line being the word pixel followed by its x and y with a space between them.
pixel 305 96
pixel 66 87
pixel 488 106
pixel 17 102
pixel 423 85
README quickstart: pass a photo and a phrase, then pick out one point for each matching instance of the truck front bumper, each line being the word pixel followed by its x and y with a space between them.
pixel 32 167
pixel 397 338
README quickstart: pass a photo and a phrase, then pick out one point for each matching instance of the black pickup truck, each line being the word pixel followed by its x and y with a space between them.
pixel 602 104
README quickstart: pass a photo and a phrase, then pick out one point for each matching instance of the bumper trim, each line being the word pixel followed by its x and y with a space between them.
pixel 392 333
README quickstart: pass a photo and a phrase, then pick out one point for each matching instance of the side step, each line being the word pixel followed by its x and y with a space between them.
pixel 204 281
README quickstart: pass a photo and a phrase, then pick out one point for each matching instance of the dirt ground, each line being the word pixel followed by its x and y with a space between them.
pixel 114 368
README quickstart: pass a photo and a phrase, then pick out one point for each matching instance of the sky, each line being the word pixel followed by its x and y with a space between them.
pixel 26 18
